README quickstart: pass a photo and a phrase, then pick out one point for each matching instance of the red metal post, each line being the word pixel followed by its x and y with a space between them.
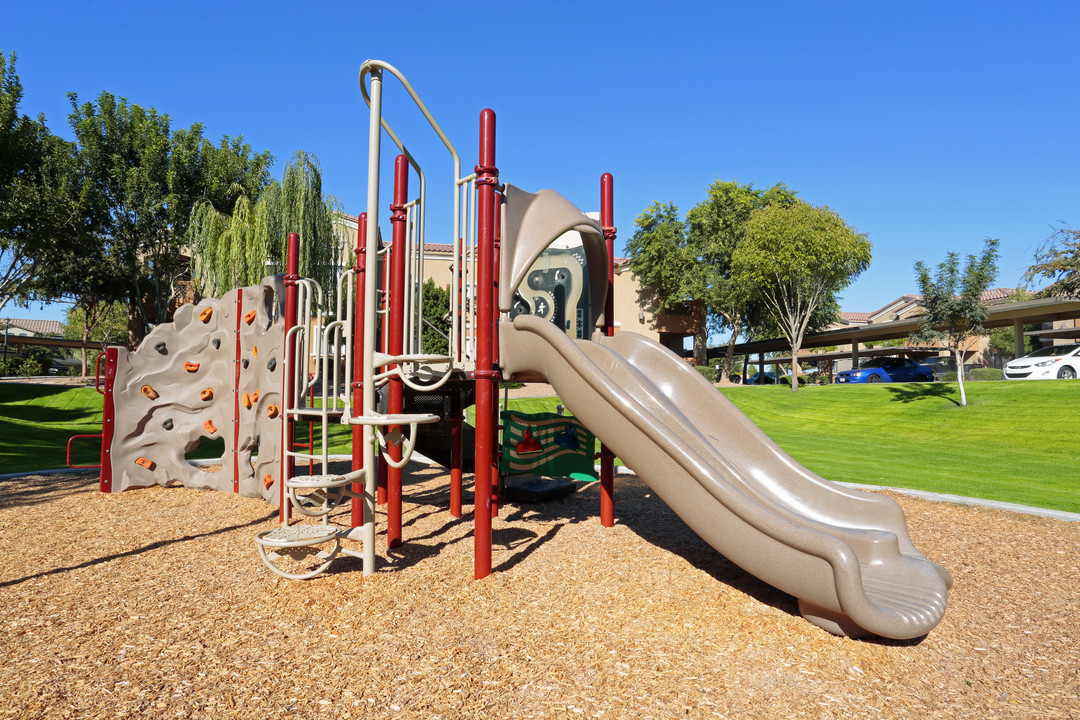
pixel 397 344
pixel 288 465
pixel 607 458
pixel 357 506
pixel 108 419
pixel 487 177
pixel 236 392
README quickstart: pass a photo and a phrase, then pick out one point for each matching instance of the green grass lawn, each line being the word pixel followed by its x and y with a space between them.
pixel 37 420
pixel 1014 442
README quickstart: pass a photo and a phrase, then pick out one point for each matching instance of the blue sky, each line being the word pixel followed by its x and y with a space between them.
pixel 929 126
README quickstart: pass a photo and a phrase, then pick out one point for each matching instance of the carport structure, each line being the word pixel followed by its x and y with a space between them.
pixel 1015 315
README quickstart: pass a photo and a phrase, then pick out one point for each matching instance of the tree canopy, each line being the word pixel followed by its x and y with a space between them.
pixel 1058 260
pixel 679 261
pixel 35 183
pixel 953 311
pixel 239 241
pixel 798 256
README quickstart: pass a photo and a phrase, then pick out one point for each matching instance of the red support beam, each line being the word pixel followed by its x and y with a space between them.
pixel 292 274
pixel 397 344
pixel 236 392
pixel 108 417
pixel 487 177
pixel 357 505
pixel 607 458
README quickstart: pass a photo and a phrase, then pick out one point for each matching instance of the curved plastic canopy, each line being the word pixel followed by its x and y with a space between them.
pixel 530 223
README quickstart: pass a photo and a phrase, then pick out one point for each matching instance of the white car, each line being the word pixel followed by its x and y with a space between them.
pixel 1056 361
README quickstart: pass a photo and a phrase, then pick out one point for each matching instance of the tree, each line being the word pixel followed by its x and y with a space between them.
pixel 28 155
pixel 240 245
pixel 99 323
pixel 953 309
pixel 1058 260
pixel 124 153
pixel 799 256
pixel 681 261
pixel 434 340
pixel 715 227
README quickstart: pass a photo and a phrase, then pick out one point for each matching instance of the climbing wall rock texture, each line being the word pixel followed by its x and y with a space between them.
pixel 214 372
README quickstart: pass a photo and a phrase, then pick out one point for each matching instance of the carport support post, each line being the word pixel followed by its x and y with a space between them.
pixel 1018 339
pixel 854 354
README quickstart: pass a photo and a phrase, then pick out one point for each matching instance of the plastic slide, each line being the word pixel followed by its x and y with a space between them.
pixel 845 554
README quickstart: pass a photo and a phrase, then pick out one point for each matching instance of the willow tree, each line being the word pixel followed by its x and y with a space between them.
pixel 241 247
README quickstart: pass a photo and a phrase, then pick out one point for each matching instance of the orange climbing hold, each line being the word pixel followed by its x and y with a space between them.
pixel 246 401
pixel 209 427
pixel 148 464
pixel 207 394
pixel 250 317
pixel 149 392
pixel 273 411
pixel 255 397
pixel 191 367
pixel 255 351
pixel 268 480
pixel 206 314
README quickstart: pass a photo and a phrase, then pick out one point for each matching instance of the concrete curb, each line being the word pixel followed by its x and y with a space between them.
pixel 979 502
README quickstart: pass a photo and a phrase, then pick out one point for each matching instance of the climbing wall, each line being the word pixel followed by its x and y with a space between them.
pixel 213 374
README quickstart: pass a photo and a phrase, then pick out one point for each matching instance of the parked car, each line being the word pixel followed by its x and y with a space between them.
pixel 942 364
pixel 887 369
pixel 757 378
pixel 1056 361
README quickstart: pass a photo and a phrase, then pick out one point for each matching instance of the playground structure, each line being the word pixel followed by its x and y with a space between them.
pixel 846 555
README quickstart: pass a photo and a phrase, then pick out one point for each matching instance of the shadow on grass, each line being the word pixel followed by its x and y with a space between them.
pixel 913 392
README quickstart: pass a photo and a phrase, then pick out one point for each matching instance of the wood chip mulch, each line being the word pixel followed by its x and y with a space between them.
pixel 154 603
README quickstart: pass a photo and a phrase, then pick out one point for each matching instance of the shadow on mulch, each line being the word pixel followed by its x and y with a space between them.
pixel 136 551
pixel 29 490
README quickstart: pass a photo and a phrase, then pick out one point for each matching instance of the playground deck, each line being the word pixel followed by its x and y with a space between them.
pixel 154 603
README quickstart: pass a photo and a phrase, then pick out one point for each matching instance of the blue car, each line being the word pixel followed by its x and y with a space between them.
pixel 887 369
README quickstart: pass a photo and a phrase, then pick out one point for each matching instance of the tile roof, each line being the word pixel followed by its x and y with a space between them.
pixel 38 327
